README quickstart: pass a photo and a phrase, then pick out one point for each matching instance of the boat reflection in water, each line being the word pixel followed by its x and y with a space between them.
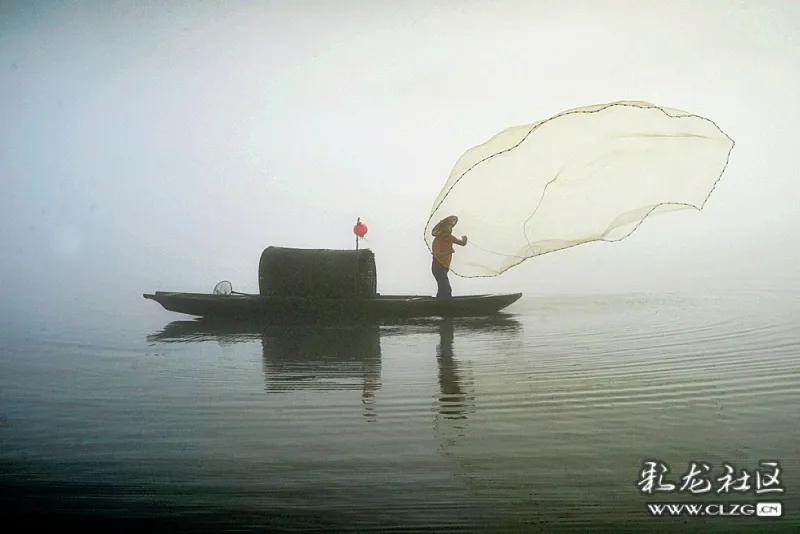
pixel 202 330
pixel 296 357
pixel 347 356
pixel 328 357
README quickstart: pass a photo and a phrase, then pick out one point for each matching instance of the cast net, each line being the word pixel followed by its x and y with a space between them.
pixel 587 174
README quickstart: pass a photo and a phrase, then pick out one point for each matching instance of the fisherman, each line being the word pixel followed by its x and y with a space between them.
pixel 442 251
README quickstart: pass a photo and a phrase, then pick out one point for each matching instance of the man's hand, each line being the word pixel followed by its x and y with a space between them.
pixel 464 239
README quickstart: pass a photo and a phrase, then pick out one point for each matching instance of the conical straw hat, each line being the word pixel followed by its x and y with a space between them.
pixel 452 220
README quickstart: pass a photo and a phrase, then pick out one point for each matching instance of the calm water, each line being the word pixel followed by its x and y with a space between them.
pixel 538 421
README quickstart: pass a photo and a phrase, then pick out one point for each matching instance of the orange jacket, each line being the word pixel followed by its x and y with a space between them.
pixel 442 249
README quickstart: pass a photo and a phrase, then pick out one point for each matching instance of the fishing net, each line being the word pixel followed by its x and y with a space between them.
pixel 587 174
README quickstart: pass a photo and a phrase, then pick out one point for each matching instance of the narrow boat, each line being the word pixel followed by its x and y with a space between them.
pixel 244 306
pixel 322 284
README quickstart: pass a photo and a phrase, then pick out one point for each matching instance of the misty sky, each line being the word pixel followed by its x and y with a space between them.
pixel 163 145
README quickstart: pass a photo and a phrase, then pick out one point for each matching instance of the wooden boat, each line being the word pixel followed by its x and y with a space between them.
pixel 322 284
pixel 242 306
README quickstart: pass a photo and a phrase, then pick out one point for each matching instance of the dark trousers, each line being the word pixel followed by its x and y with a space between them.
pixel 440 274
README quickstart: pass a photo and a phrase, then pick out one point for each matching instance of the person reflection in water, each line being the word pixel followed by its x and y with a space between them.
pixel 451 400
pixel 442 251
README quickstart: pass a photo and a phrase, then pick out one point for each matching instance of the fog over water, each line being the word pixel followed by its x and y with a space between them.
pixel 161 146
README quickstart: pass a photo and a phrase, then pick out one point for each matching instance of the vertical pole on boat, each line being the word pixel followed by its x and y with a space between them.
pixel 360 230
pixel 358 222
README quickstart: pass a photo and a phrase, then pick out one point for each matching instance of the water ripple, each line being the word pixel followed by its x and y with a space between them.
pixel 538 421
